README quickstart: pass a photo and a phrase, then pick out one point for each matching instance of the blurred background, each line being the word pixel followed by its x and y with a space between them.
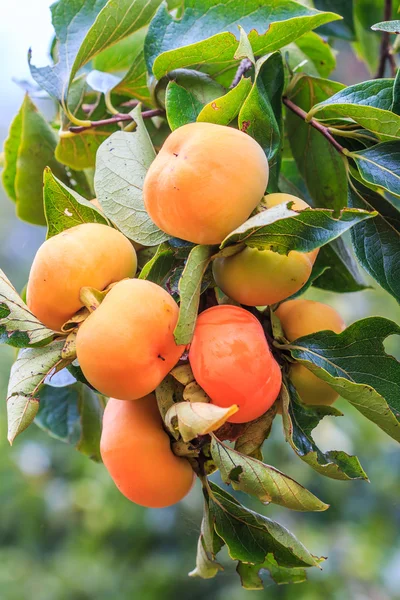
pixel 65 531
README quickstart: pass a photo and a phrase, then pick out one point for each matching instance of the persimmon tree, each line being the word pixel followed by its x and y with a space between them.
pixel 123 75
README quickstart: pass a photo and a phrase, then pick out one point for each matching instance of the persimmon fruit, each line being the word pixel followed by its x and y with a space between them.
pixel 137 453
pixel 126 346
pixel 205 182
pixel 302 317
pixel 232 362
pixel 90 254
pixel 257 277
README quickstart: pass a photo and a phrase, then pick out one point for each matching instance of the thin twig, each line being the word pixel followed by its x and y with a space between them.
pixel 385 42
pixel 147 114
pixel 316 124
pixel 245 65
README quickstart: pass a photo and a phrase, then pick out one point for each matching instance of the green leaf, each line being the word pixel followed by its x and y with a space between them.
pixel 341 274
pixel 282 229
pixel 189 292
pixel 181 106
pixel 73 415
pixel 395 107
pixel 380 166
pixel 18 326
pixel 207 32
pixel 28 374
pixel 251 536
pixel 318 162
pixel 342 29
pixel 244 49
pixel 316 54
pixel 355 364
pixel 120 56
pixel 159 267
pixel 224 109
pixel 208 546
pixel 250 574
pixel 368 103
pixel 122 163
pixel 377 242
pixel 390 26
pixel 84 29
pixel 65 208
pixel 28 149
pixel 261 113
pixel 267 484
pixel 298 421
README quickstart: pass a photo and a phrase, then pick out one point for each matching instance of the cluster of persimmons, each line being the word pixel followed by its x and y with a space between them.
pixel 205 182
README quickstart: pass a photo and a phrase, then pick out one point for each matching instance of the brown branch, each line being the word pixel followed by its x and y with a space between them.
pixel 147 114
pixel 316 124
pixel 384 53
pixel 244 66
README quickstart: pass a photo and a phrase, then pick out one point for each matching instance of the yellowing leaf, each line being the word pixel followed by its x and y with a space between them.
pixel 196 418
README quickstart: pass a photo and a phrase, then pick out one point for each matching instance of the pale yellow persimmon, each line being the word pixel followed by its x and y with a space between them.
pixel 89 254
pixel 261 277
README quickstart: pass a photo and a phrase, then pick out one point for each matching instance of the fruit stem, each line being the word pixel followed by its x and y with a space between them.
pixel 385 52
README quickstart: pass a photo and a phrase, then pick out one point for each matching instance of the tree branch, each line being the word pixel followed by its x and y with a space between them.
pixel 244 66
pixel 147 114
pixel 316 124
pixel 384 53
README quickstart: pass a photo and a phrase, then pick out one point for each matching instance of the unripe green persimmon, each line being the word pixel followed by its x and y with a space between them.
pixel 259 277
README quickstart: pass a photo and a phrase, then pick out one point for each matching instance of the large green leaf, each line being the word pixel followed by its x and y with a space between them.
pixel 266 483
pixel 355 364
pixel 298 422
pixel 380 166
pixel 72 414
pixel 368 103
pixel 319 163
pixel 160 266
pixel 206 33
pixel 28 149
pixel 377 241
pixel 282 229
pixel 65 208
pixel 189 292
pixel 251 536
pixel 18 326
pixel 342 274
pixel 261 113
pixel 122 163
pixel 83 29
pixel 28 374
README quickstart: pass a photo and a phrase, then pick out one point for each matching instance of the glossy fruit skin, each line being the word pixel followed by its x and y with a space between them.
pixel 232 362
pixel 126 346
pixel 261 277
pixel 205 182
pixel 137 453
pixel 90 254
pixel 299 318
